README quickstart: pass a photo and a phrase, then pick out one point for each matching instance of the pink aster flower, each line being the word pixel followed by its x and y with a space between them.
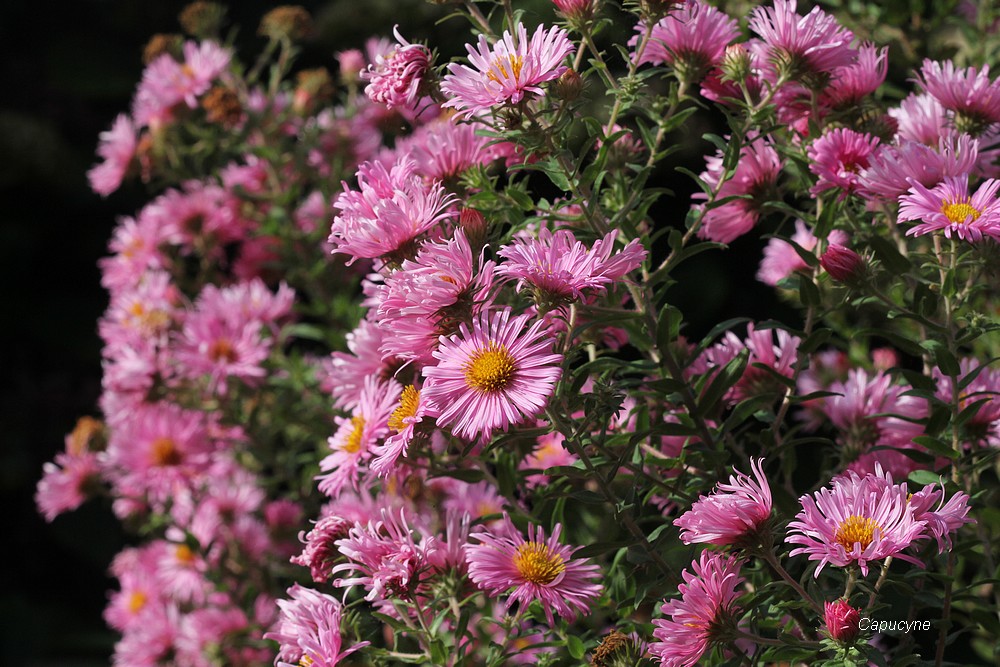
pixel 387 212
pixel 856 520
pixel 762 350
pixel 949 208
pixel 502 372
pixel 693 37
pixel 220 349
pixel 445 148
pixel 920 118
pixel 890 170
pixel 548 453
pixel 756 175
pixel 385 558
pixel 117 148
pixel 396 76
pixel 980 385
pixel 308 630
pixel 356 436
pixel 66 482
pixel 810 44
pixel 733 514
pixel 853 82
pixel 837 157
pixel 942 518
pixel 705 614
pixel 403 421
pixel 320 552
pixel 166 82
pixel 344 374
pixel 508 71
pixel 969 93
pixel 781 259
pixel 563 269
pixel 535 568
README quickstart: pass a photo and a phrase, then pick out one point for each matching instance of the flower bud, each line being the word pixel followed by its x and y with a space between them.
pixel 291 22
pixel 576 12
pixel 202 19
pixel 352 63
pixel 619 650
pixel 161 43
pixel 475 227
pixel 222 106
pixel 736 65
pixel 311 86
pixel 569 86
pixel 843 264
pixel 842 621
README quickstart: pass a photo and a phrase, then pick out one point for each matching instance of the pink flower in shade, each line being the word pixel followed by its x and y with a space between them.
pixel 345 372
pixel 948 207
pixel 982 386
pixel 837 157
pixel 756 175
pixel 66 482
pixel 508 71
pixel 762 350
pixel 856 520
pixel 403 422
pixel 549 453
pixel 445 148
pixel 427 294
pixel 308 630
pixel 576 10
pixel 387 212
pixel 693 37
pixel 890 170
pixel 841 620
pixel 385 558
pixel 563 269
pixel 920 118
pixel 396 76
pixel 810 44
pixel 535 568
pixel 851 83
pixel 352 63
pixel 321 553
pixel 732 515
pixel 356 436
pixel 969 93
pixel 868 410
pixel 247 301
pixel 704 615
pixel 500 373
pixel 781 259
pixel 116 149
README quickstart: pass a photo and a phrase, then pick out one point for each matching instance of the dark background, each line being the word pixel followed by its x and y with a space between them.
pixel 66 70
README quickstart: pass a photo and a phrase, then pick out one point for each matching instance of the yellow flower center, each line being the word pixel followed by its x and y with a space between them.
pixel 184 554
pixel 490 369
pixel 305 661
pixel 353 443
pixel 165 452
pixel 538 563
pixel 408 402
pixel 856 530
pixel 136 601
pixel 960 211
pixel 499 69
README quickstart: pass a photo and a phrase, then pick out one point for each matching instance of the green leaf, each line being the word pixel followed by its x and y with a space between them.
pixel 575 647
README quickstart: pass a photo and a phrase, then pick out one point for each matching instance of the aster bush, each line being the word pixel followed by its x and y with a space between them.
pixel 405 368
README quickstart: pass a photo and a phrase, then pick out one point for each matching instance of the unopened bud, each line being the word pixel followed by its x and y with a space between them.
pixel 476 229
pixel 569 86
pixel 842 621
pixel 161 43
pixel 736 65
pixel 884 358
pixel 291 22
pixel 352 63
pixel 202 19
pixel 843 264
pixel 619 650
pixel 312 85
pixel 576 12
